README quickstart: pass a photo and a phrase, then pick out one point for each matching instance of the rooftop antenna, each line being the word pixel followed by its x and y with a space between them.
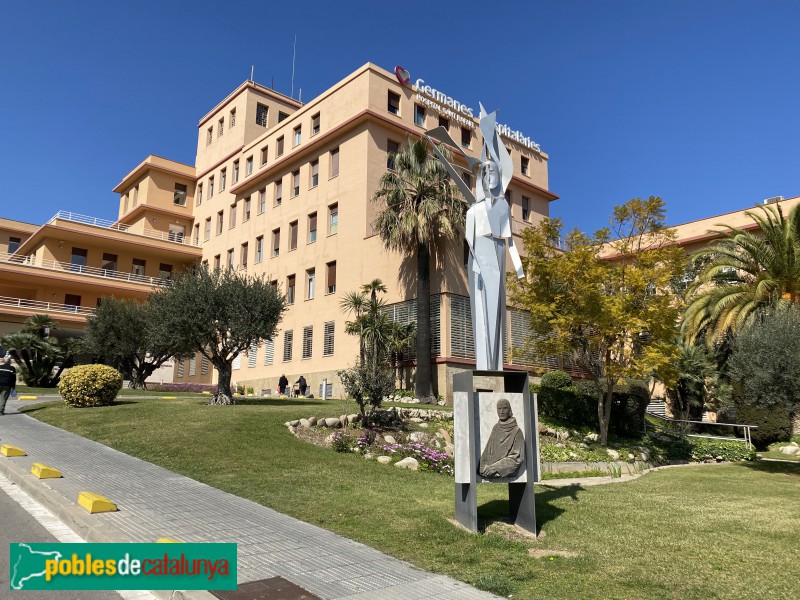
pixel 252 70
pixel 294 54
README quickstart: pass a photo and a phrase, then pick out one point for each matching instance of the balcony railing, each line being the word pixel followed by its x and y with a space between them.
pixel 172 236
pixel 38 306
pixel 54 265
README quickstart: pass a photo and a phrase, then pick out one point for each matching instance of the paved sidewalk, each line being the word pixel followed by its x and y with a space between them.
pixel 154 502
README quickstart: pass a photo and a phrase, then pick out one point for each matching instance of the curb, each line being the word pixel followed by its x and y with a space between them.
pixel 81 522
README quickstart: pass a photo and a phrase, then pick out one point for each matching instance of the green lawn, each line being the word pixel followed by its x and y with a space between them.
pixel 720 531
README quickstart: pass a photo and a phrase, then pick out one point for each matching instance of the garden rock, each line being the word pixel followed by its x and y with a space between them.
pixel 369 455
pixel 304 423
pixel 445 436
pixel 449 449
pixel 333 422
pixel 312 421
pixel 321 423
pixel 389 439
pixel 354 418
pixel 592 437
pixel 613 454
pixel 407 463
pixel 790 450
pixel 631 456
pixel 423 425
pixel 418 436
pixel 384 460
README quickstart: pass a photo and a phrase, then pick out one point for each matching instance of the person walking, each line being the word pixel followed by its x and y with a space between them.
pixel 282 385
pixel 8 382
pixel 301 386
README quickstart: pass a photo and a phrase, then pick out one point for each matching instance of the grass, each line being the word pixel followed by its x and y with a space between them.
pixel 721 531
pixel 24 390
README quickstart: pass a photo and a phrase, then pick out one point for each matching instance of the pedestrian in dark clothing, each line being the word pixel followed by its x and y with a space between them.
pixel 8 382
pixel 282 385
pixel 301 386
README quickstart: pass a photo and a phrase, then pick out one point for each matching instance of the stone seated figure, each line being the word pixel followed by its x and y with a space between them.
pixel 505 450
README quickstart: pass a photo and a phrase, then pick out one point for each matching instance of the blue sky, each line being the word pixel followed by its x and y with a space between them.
pixel 693 101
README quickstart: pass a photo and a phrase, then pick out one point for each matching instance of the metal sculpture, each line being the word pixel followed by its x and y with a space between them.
pixel 488 227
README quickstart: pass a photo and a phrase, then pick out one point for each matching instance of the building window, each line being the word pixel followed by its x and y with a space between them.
pixel 327 339
pixel 235 171
pixel 262 200
pixel 246 216
pixel 334 162
pixel 72 301
pixel 243 255
pixel 466 137
pixel 264 155
pixel 392 148
pixel 526 208
pixel 467 179
pixel 331 277
pixel 393 103
pixel 230 258
pixel 269 351
pixel 109 261
pixel 292 236
pixel 165 271
pixel 297 135
pixel 333 219
pixel 261 114
pixel 290 289
pixel 282 116
pixel 259 248
pixel 78 260
pixel 288 339
pixel 232 119
pixel 216 262
pixel 232 218
pixel 209 136
pixel 220 127
pixel 419 115
pixel 252 355
pixel 279 146
pixel 179 196
pixel 312 228
pixel 444 122
pixel 207 233
pixel 223 178
pixel 248 166
pixel 204 365
pixel 276 242
pixel 311 279
pixel 210 186
pixel 13 244
pixel 196 239
pixel 296 183
pixel 315 125
pixel 180 369
pixel 199 194
pixel 138 266
pixel 219 223
pixel 524 162
pixel 278 192
pixel 314 174
pixel 308 337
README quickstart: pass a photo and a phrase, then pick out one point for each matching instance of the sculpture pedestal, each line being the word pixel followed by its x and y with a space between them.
pixel 467 412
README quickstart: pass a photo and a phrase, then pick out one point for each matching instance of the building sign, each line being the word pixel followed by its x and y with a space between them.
pixel 456 111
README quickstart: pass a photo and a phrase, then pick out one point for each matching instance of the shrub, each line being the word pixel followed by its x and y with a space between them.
pixel 774 424
pixel 90 385
pixel 556 380
pixel 341 442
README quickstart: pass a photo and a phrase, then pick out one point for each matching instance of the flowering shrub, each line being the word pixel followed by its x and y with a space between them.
pixel 428 458
pixel 90 385
pixel 341 442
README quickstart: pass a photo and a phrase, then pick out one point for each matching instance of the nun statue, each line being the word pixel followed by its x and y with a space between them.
pixel 488 233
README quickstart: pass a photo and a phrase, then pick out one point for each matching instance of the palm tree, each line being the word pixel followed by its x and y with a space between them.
pixel 744 273
pixel 355 303
pixel 401 338
pixel 422 208
pixel 373 287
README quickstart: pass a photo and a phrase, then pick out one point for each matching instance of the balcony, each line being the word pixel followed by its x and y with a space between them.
pixel 54 265
pixel 172 236
pixel 35 306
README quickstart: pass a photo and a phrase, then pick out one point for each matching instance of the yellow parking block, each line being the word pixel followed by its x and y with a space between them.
pixel 168 541
pixel 44 472
pixel 9 450
pixel 27 397
pixel 95 503
pixel 169 397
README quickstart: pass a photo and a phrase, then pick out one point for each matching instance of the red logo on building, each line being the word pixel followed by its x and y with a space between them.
pixel 403 76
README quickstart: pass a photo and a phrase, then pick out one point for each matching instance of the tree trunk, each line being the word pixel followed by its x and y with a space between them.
pixel 604 413
pixel 224 394
pixel 138 380
pixel 423 387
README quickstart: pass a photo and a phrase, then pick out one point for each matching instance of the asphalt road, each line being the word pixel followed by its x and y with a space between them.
pixel 16 525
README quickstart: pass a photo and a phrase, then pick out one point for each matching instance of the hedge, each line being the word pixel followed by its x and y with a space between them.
pixel 90 385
